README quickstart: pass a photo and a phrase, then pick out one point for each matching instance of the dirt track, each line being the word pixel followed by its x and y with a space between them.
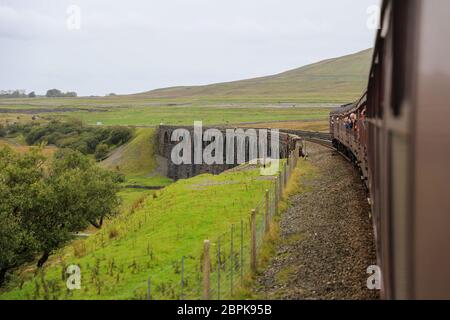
pixel 326 237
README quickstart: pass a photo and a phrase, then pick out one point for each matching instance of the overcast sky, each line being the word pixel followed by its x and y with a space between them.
pixel 137 45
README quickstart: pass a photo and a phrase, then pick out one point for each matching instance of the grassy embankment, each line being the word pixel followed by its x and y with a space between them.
pixel 149 241
pixel 137 160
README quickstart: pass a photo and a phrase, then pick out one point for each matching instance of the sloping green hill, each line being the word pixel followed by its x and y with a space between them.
pixel 149 241
pixel 334 80
pixel 137 160
pixel 136 157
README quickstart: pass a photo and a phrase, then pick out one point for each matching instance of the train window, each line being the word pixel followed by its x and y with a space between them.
pixel 380 82
pixel 375 89
pixel 401 25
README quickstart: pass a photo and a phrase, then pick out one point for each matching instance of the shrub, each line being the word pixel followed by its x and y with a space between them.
pixel 80 146
pixel 35 135
pixel 79 249
pixel 120 135
pixel 14 128
pixel 53 93
pixel 73 134
pixel 101 151
pixel 113 233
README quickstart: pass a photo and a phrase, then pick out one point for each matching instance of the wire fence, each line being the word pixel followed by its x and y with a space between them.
pixel 221 269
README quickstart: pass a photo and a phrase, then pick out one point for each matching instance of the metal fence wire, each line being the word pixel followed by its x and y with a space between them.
pixel 220 271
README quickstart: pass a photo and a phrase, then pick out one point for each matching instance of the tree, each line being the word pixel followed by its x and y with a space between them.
pixel 13 94
pixel 120 135
pixel 101 151
pixel 97 188
pixel 32 94
pixel 77 193
pixel 18 175
pixel 42 206
pixel 52 93
pixel 16 243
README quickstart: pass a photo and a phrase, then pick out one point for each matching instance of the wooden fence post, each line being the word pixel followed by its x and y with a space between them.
pixel 242 251
pixel 292 164
pixel 267 220
pixel 206 271
pixel 277 198
pixel 253 242
pixel 280 185
pixel 285 174
pixel 219 265
pixel 182 279
pixel 232 263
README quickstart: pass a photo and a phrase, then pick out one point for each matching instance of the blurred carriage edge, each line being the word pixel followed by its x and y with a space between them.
pixel 398 134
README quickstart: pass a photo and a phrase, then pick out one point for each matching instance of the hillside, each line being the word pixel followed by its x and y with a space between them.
pixel 149 239
pixel 135 157
pixel 334 80
pixel 137 160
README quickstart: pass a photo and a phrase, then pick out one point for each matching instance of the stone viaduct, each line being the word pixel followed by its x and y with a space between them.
pixel 165 145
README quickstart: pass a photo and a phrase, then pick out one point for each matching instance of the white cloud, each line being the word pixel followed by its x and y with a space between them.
pixel 25 24
pixel 137 45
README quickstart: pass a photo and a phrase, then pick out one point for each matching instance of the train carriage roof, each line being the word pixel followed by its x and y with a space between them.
pixel 350 107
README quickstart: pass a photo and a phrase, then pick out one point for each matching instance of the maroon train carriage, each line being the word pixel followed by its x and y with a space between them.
pixel 399 135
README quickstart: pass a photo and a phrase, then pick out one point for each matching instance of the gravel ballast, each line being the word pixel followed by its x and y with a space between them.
pixel 326 237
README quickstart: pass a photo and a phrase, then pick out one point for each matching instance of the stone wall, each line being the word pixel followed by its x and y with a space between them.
pixel 182 171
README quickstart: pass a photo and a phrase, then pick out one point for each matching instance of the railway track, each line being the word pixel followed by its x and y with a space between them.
pixel 320 138
pixel 324 143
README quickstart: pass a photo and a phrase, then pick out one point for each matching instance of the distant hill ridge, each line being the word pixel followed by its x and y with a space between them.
pixel 340 79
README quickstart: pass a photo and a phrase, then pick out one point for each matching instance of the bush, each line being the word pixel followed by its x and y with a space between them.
pixel 120 135
pixel 80 146
pixel 55 93
pixel 54 137
pixel 2 131
pixel 79 249
pixel 14 128
pixel 36 134
pixel 73 134
pixel 113 233
pixel 101 151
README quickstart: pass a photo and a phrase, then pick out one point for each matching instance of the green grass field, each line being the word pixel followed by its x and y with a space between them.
pixel 306 93
pixel 209 115
pixel 149 239
pixel 182 115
